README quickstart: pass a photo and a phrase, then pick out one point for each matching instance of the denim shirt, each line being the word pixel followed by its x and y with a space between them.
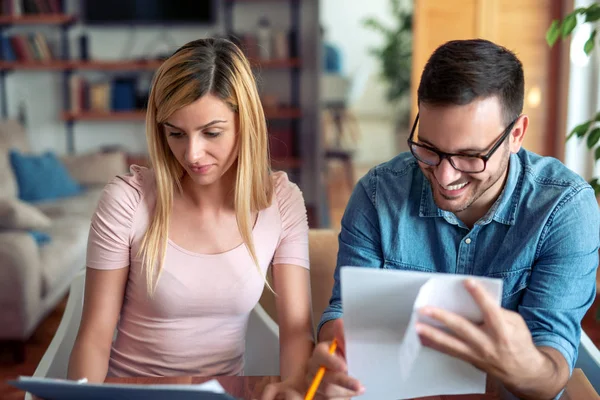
pixel 540 237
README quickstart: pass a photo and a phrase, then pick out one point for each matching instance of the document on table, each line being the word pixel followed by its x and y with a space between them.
pixel 383 349
pixel 62 389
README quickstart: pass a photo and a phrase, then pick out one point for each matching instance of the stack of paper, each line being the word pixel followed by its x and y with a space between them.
pixel 383 349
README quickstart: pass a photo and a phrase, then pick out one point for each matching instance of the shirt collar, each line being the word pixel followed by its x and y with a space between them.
pixel 503 210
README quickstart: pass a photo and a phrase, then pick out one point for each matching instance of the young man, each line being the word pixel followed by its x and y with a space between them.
pixel 467 199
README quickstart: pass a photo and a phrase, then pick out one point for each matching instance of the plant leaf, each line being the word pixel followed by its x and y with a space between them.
pixel 580 129
pixel 569 23
pixel 553 33
pixel 592 13
pixel 589 44
pixel 596 186
pixel 597 117
pixel 593 137
pixel 597 154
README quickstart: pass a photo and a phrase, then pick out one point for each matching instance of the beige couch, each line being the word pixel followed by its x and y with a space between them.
pixel 33 279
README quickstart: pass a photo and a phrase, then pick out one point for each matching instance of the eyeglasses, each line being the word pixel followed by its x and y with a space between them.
pixel 470 164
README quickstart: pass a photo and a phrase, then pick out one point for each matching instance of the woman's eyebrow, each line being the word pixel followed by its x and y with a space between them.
pixel 211 123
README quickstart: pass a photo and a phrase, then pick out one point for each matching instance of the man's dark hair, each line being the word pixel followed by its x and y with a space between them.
pixel 461 71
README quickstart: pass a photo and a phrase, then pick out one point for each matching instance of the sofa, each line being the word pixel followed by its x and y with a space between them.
pixel 35 275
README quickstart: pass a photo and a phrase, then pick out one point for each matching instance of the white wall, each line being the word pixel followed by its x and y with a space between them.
pixel 584 98
pixel 342 20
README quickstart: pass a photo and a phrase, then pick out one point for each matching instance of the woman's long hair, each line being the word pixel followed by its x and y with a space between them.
pixel 217 67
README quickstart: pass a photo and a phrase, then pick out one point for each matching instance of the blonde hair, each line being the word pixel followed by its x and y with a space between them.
pixel 200 67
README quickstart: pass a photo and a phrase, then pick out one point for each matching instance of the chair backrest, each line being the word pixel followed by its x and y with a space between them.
pixel 323 249
pixel 261 357
pixel 589 360
pixel 55 362
pixel 262 339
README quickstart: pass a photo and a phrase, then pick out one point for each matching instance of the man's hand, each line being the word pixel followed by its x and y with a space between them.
pixel 336 383
pixel 285 390
pixel 502 346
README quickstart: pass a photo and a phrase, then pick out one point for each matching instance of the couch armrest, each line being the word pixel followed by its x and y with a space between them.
pixel 20 284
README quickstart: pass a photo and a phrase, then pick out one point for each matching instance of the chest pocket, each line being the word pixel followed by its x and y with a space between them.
pixel 514 284
pixel 390 264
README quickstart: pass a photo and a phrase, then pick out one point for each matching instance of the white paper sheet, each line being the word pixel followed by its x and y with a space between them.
pixel 62 389
pixel 383 349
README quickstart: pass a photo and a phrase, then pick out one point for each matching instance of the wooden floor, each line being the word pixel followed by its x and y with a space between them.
pixel 338 194
pixel 35 348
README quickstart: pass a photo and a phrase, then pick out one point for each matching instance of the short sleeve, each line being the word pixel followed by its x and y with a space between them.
pixel 109 239
pixel 293 241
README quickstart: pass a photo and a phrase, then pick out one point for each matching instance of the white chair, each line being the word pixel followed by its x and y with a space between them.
pixel 262 340
pixel 589 360
pixel 262 344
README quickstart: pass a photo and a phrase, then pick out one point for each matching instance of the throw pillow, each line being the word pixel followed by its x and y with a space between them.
pixel 41 238
pixel 42 177
pixel 14 214
pixel 95 168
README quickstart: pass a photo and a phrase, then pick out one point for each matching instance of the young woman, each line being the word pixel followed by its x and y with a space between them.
pixel 177 254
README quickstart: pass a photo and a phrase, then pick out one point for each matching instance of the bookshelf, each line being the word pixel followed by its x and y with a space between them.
pixel 289 113
pixel 62 63
pixel 285 121
pixel 38 19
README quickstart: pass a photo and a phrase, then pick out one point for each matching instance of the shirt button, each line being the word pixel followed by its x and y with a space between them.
pixel 468 240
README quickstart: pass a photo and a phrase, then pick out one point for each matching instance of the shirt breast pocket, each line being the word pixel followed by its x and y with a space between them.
pixel 391 264
pixel 514 283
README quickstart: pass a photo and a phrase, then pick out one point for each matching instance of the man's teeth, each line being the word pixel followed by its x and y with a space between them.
pixel 457 187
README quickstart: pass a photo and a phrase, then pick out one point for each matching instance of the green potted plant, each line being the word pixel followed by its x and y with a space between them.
pixel 395 56
pixel 590 129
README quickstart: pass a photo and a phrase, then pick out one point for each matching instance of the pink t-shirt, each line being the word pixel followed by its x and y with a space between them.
pixel 195 323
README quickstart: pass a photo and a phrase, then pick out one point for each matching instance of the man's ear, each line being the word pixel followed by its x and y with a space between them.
pixel 518 133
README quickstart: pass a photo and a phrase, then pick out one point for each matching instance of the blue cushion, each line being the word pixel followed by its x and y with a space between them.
pixel 42 177
pixel 41 238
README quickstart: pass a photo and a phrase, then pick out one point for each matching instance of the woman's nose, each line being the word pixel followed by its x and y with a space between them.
pixel 195 150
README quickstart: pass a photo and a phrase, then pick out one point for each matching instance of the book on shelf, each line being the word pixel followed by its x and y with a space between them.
pixel 117 94
pixel 30 47
pixel 16 8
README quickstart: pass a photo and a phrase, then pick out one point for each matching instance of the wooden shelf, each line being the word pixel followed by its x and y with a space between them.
pixel 100 65
pixel 52 65
pixel 37 19
pixel 60 65
pixel 286 163
pixel 278 63
pixel 138 115
pixel 283 113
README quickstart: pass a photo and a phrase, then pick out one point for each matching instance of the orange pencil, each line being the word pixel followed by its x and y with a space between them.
pixel 319 376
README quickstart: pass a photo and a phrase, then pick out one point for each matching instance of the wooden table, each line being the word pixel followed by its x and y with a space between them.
pixel 250 387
